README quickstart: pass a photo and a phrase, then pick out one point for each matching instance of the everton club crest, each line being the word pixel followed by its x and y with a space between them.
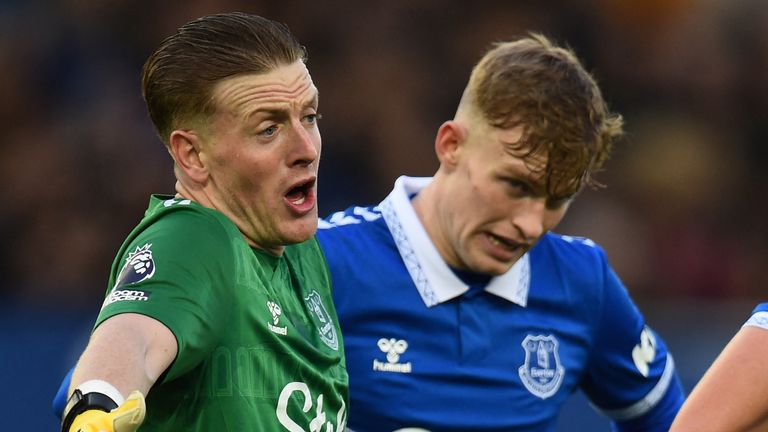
pixel 542 372
pixel 322 320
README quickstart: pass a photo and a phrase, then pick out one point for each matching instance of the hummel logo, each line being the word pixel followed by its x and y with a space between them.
pixel 276 311
pixel 394 348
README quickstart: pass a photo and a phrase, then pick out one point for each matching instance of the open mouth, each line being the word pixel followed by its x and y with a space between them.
pixel 301 196
pixel 504 243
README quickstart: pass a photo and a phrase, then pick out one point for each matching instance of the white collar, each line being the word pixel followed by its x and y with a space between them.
pixel 435 281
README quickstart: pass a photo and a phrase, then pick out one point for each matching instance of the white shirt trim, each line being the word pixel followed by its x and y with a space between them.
pixel 758 319
pixel 650 400
pixel 434 280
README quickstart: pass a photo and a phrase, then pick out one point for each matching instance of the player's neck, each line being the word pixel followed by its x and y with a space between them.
pixel 427 207
pixel 182 191
pixel 423 205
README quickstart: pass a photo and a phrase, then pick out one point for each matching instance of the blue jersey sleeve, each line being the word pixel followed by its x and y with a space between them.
pixel 60 400
pixel 631 376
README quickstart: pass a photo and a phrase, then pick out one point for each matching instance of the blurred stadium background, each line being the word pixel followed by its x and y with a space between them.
pixel 683 217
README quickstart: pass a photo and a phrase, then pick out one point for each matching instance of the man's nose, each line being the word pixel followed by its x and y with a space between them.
pixel 529 219
pixel 306 145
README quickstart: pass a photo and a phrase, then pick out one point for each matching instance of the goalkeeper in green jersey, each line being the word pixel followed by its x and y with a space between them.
pixel 218 314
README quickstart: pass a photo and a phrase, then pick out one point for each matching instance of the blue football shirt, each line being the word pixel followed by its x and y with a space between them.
pixel 428 349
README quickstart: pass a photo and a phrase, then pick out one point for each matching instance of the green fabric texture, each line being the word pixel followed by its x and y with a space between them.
pixel 260 347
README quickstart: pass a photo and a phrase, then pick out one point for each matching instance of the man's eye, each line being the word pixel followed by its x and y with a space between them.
pixel 268 132
pixel 312 118
pixel 519 186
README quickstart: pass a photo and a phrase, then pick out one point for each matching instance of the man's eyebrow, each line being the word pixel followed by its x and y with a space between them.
pixel 279 110
pixel 535 174
pixel 272 112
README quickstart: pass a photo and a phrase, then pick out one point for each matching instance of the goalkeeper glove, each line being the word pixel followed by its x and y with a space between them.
pixel 125 418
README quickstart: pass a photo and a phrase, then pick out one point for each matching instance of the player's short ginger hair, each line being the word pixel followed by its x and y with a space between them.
pixel 533 83
pixel 179 78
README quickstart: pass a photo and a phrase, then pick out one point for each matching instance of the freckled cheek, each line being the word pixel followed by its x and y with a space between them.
pixel 250 182
pixel 478 214
pixel 491 201
pixel 259 197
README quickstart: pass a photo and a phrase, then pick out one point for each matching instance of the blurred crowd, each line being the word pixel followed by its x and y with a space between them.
pixel 682 215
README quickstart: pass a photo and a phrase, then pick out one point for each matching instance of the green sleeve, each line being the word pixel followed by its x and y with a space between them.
pixel 177 271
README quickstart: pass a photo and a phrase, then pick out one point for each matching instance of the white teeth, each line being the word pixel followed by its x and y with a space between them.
pixel 498 242
pixel 300 201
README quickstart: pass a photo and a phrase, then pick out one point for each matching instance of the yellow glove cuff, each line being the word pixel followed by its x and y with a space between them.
pixel 125 418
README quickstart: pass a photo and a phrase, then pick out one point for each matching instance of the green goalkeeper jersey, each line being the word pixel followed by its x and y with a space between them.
pixel 259 345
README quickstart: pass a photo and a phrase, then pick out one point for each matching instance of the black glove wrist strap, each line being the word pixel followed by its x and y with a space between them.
pixel 79 403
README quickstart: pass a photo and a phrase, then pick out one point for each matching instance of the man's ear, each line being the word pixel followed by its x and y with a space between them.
pixel 449 143
pixel 185 147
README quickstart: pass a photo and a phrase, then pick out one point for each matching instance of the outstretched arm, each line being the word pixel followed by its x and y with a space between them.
pixel 129 351
pixel 733 394
pixel 126 353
